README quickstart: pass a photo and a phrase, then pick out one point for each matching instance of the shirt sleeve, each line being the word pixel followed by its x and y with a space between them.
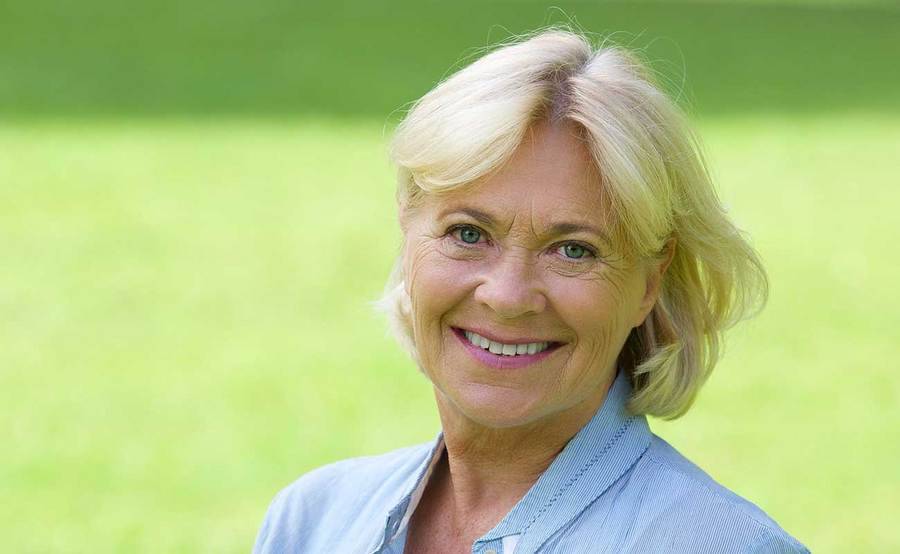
pixel 265 542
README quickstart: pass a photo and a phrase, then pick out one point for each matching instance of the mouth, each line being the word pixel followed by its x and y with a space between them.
pixel 508 354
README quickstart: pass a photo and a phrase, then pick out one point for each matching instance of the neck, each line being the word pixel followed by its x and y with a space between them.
pixel 489 469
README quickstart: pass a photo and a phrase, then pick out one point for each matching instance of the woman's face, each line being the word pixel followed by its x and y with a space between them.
pixel 520 260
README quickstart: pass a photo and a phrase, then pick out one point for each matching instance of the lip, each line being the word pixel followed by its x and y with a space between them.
pixel 498 361
pixel 496 338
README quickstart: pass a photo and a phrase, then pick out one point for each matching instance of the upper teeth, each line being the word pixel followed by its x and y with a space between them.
pixel 506 349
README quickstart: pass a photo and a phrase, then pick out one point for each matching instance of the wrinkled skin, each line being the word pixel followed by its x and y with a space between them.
pixel 514 278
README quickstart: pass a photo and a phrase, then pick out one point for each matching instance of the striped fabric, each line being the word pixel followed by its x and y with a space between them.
pixel 616 487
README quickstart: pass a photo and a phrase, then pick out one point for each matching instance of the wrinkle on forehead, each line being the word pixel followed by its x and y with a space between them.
pixel 534 212
pixel 551 175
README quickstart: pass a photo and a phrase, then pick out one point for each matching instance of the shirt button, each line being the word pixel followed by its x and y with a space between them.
pixel 490 551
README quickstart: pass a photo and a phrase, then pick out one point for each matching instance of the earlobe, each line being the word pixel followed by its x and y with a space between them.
pixel 668 253
pixel 655 274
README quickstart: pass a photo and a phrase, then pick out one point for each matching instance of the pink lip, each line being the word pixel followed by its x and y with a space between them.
pixel 504 340
pixel 498 361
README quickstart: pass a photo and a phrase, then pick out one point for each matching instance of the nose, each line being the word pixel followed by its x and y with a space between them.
pixel 511 287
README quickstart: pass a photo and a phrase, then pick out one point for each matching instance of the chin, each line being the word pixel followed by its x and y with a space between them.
pixel 498 409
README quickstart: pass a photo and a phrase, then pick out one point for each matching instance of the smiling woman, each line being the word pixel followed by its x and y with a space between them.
pixel 520 258
pixel 566 271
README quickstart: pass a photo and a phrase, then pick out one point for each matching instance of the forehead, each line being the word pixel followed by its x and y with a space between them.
pixel 549 177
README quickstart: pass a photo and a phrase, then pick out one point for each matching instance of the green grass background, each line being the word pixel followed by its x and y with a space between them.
pixel 196 207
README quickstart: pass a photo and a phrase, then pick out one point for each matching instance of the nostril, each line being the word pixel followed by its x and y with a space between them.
pixel 510 300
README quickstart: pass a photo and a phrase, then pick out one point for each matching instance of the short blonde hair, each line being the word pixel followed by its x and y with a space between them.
pixel 652 172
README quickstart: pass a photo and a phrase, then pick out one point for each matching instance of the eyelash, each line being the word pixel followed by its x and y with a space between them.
pixel 591 251
pixel 452 232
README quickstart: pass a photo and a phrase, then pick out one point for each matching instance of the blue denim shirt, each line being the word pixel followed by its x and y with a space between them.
pixel 616 487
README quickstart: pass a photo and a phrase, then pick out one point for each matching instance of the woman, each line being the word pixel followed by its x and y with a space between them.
pixel 567 270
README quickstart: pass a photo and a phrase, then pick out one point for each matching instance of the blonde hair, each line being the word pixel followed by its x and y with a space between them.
pixel 652 172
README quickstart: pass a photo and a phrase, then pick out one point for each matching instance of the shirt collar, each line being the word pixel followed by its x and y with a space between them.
pixel 596 456
pixel 592 460
pixel 398 518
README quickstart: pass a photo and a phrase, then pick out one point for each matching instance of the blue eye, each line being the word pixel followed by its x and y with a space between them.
pixel 576 251
pixel 467 234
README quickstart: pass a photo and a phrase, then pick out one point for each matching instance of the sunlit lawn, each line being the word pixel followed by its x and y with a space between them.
pixel 185 328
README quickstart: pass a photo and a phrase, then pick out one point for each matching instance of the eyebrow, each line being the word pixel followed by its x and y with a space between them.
pixel 559 228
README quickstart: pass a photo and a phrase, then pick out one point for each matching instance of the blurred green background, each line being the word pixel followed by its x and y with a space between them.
pixel 196 207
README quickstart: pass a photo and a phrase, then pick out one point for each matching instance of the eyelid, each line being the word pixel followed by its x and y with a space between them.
pixel 591 250
pixel 456 227
pixel 594 254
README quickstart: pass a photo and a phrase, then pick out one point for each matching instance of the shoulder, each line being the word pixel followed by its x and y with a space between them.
pixel 357 474
pixel 690 504
pixel 308 512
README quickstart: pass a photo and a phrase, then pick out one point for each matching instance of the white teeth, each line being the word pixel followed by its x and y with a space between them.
pixel 506 349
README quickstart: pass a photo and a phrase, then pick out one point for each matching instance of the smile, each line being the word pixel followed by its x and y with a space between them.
pixel 505 349
pixel 508 354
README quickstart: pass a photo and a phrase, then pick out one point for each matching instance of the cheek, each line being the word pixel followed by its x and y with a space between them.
pixel 597 310
pixel 431 273
pixel 435 284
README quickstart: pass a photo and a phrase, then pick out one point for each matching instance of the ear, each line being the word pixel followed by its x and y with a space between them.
pixel 656 270
pixel 403 215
